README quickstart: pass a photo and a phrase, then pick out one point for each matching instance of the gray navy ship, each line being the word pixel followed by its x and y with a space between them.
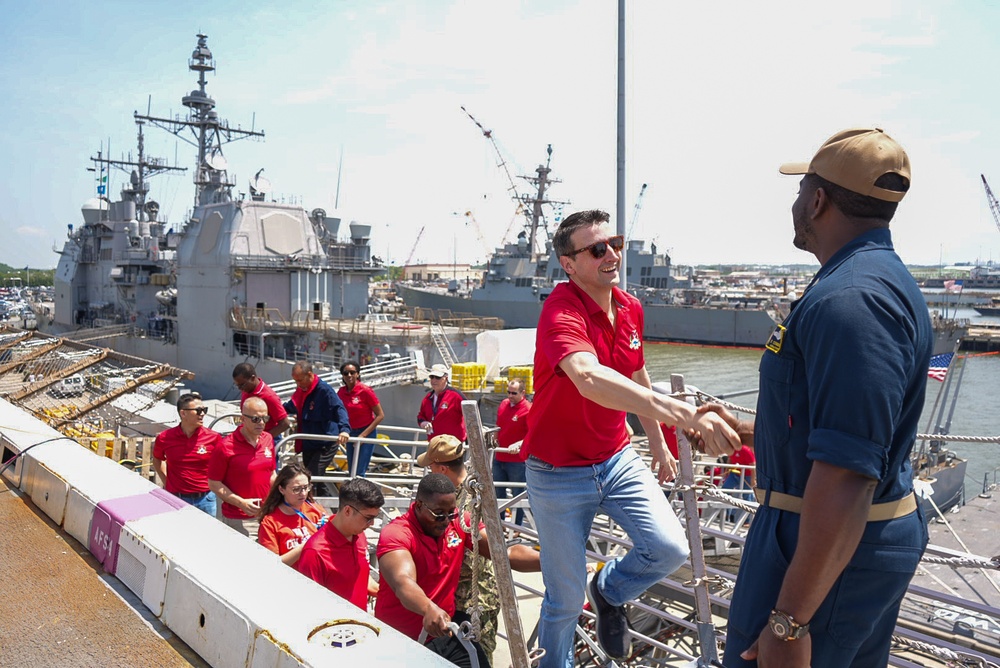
pixel 244 278
pixel 519 276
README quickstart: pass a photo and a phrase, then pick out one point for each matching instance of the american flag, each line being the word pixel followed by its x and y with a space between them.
pixel 938 368
pixel 953 286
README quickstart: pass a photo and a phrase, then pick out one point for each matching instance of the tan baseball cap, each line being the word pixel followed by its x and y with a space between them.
pixel 442 448
pixel 854 159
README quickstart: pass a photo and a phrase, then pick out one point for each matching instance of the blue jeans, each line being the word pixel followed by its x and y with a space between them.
pixel 365 453
pixel 564 501
pixel 204 503
pixel 509 472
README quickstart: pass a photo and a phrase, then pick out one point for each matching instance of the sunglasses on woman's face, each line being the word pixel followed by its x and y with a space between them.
pixel 600 248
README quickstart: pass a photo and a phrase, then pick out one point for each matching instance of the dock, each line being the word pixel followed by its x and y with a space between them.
pixel 982 338
pixel 59 608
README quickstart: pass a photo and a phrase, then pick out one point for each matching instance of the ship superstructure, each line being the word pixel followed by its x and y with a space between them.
pixel 242 278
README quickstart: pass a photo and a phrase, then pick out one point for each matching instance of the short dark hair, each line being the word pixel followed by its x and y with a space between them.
pixel 855 205
pixel 455 465
pixel 244 370
pixel 573 222
pixel 303 366
pixel 434 484
pixel 349 363
pixel 185 400
pixel 361 492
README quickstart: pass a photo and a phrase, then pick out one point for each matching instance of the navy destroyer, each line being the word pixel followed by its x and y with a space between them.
pixel 243 278
pixel 520 275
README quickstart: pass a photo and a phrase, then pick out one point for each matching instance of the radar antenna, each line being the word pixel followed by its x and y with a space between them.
pixel 209 132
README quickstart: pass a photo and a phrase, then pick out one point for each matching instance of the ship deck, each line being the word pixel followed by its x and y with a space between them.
pixel 58 607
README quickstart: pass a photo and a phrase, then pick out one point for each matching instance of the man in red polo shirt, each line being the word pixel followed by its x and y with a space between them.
pixel 441 410
pixel 336 556
pixel 181 454
pixel 420 557
pixel 512 420
pixel 246 381
pixel 589 371
pixel 241 469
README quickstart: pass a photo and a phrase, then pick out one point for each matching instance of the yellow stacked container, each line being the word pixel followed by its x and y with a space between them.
pixel 468 376
pixel 525 374
pixel 500 385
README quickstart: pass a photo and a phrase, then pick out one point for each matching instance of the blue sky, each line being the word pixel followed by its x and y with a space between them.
pixel 719 94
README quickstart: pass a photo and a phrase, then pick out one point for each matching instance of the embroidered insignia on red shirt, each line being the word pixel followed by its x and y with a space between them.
pixel 452 538
pixel 634 342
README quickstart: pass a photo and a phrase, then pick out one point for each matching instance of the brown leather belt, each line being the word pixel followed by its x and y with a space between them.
pixel 879 512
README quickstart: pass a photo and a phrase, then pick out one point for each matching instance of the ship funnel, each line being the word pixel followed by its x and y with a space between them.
pixel 360 233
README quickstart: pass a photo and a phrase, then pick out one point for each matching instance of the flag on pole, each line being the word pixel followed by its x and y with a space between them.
pixel 953 286
pixel 938 368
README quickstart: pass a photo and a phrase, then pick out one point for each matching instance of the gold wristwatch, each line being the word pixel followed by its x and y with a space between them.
pixel 784 626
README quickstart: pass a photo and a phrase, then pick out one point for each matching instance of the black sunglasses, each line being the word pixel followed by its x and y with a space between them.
pixel 441 517
pixel 600 248
pixel 201 410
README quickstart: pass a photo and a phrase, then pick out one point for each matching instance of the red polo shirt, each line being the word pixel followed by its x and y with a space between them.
pixel 564 429
pixel 446 415
pixel 282 533
pixel 246 470
pixel 275 411
pixel 513 423
pixel 438 562
pixel 338 563
pixel 360 403
pixel 186 458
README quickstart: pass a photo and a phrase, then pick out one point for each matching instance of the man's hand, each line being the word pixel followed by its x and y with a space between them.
pixel 427 426
pixel 342 438
pixel 771 652
pixel 250 506
pixel 742 428
pixel 436 621
pixel 664 465
pixel 712 433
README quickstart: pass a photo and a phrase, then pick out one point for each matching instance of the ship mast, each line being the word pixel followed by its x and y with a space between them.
pixel 534 204
pixel 144 168
pixel 212 182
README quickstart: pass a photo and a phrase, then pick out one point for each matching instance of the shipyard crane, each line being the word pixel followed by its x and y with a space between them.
pixel 413 250
pixel 502 164
pixel 470 219
pixel 635 211
pixel 994 205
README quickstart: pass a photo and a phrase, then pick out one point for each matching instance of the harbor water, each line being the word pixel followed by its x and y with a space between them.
pixel 722 371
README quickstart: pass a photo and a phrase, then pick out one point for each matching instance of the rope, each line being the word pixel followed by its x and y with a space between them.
pixel 708 489
pixel 471 498
pixel 954 658
pixel 705 397
pixel 993 563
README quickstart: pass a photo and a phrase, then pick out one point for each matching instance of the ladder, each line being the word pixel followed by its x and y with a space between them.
pixel 443 345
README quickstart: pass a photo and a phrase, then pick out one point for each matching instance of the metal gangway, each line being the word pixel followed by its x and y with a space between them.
pixel 378 374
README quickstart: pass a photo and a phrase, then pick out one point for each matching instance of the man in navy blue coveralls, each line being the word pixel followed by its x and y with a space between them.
pixel 838 534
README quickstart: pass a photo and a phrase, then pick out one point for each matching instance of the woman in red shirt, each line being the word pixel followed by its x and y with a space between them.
pixel 289 515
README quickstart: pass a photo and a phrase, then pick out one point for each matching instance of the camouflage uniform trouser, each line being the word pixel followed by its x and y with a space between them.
pixel 489 600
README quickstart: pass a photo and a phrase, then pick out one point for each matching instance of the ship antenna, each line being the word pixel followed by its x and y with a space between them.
pixel 210 133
